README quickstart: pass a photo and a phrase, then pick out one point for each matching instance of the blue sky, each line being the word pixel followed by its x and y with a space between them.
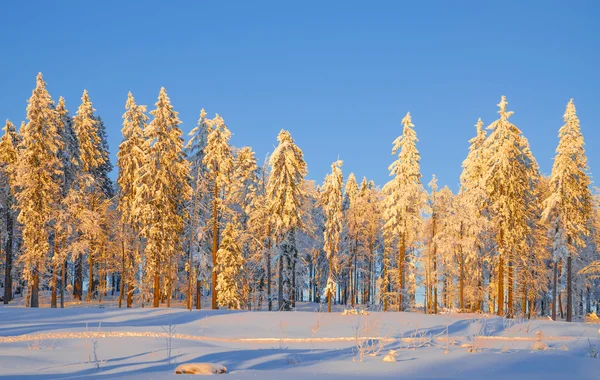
pixel 340 75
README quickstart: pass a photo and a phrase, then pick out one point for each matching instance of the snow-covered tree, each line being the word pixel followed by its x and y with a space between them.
pixel 260 226
pixel 569 205
pixel 102 172
pixel 162 195
pixel 371 209
pixel 229 266
pixel 507 186
pixel 243 191
pixel 131 158
pixel 331 198
pixel 93 157
pixel 8 161
pixel 199 210
pixel 474 218
pixel 38 191
pixel 406 198
pixel 354 226
pixel 219 163
pixel 284 204
pixel 68 154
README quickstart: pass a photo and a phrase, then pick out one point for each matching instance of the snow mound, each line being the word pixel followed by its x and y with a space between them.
pixel 390 357
pixel 200 369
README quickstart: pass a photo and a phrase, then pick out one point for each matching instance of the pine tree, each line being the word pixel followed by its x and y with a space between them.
pixel 331 198
pixel 406 198
pixel 569 205
pixel 219 163
pixel 230 261
pixel 162 195
pixel 37 168
pixel 131 158
pixel 284 204
pixel 8 161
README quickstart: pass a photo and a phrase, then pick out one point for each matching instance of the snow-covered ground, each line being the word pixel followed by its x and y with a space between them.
pixel 86 341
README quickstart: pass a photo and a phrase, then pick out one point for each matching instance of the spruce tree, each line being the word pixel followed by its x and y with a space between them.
pixel 219 163
pixel 569 205
pixel 199 206
pixel 284 204
pixel 164 189
pixel 93 157
pixel 68 154
pixel 230 261
pixel 406 198
pixel 353 222
pixel 38 190
pixel 131 158
pixel 507 184
pixel 8 161
pixel 331 198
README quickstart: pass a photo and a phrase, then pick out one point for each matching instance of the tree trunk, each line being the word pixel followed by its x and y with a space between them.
pixel 54 281
pixel 268 260
pixel 524 301
pixel 156 300
pixel 170 279
pixel 215 246
pixel 461 285
pixel 53 287
pixel 123 267
pixel 198 294
pixel 34 300
pixel 9 255
pixel 328 289
pixel 385 280
pixel 554 290
pixel 569 289
pixel 91 273
pixel 401 258
pixel 500 296
pixel 511 285
pixel 293 285
pixel 78 280
pixel 63 280
pixel 280 285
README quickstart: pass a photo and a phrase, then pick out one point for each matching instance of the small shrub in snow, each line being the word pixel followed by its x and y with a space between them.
pixel 367 339
pixel 538 345
pixel 354 312
pixel 170 331
pixel 592 318
pixel 593 351
pixel 38 345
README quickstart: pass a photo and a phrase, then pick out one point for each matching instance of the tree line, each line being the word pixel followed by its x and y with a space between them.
pixel 202 218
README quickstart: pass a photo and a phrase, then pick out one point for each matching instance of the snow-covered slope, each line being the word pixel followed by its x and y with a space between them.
pixel 134 343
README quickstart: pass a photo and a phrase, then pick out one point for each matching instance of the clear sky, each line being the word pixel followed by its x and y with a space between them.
pixel 340 75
